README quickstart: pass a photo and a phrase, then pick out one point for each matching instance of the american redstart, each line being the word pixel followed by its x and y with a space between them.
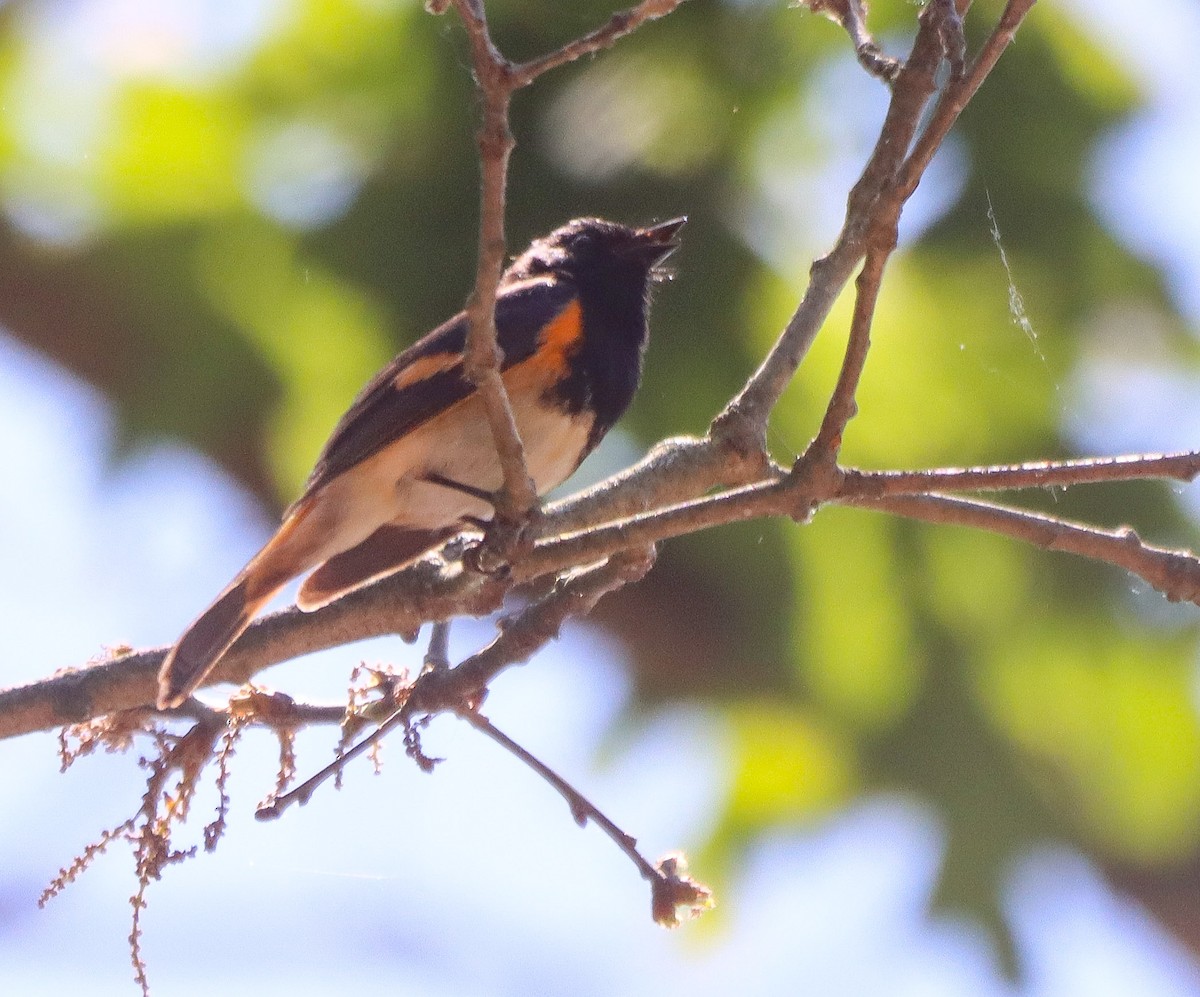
pixel 413 460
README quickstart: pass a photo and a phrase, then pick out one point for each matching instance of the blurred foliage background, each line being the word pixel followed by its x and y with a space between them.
pixel 228 223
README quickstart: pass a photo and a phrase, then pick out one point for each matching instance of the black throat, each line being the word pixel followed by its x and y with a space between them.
pixel 608 365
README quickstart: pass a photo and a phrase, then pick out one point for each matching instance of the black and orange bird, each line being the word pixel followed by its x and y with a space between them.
pixel 413 461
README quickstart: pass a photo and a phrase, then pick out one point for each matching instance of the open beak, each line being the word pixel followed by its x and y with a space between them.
pixel 658 241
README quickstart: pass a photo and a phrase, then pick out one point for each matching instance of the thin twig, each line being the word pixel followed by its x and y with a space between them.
pixel 796 496
pixel 771 498
pixel 958 94
pixel 618 26
pixel 582 809
pixel 670 887
pixel 875 203
pixel 497 79
pixel 1035 474
pixel 842 405
pixel 482 359
pixel 440 690
pixel 302 793
pixel 1174 573
pixel 280 711
pixel 852 16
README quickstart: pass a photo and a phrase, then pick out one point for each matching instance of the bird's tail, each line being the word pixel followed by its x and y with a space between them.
pixel 202 645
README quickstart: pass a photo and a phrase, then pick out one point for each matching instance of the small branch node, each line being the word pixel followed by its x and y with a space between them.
pixel 951 35
pixel 742 437
pixel 872 58
pixel 852 16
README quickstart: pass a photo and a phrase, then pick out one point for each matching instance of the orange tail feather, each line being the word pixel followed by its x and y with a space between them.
pixel 197 652
pixel 203 643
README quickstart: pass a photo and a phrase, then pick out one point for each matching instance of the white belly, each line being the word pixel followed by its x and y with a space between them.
pixel 389 487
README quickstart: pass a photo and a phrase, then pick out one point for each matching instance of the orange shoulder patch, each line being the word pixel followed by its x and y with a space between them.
pixel 424 367
pixel 564 330
pixel 558 340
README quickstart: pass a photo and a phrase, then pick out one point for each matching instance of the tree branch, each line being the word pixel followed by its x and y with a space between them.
pixel 1035 474
pixel 481 358
pixel 842 405
pixel 497 79
pixel 619 25
pixel 1174 573
pixel 439 589
pixel 852 16
pixel 670 890
pixel 873 207
pixel 461 689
